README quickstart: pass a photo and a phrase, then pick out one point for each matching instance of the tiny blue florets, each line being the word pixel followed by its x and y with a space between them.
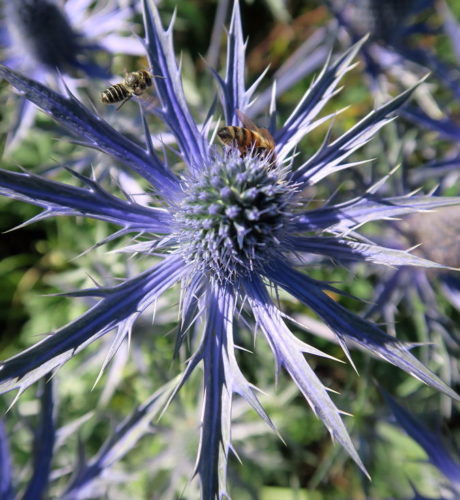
pixel 233 218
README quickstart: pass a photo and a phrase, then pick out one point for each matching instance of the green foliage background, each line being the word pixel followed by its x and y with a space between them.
pixel 41 259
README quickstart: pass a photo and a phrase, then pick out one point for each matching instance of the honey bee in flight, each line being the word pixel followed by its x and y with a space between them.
pixel 135 83
pixel 249 138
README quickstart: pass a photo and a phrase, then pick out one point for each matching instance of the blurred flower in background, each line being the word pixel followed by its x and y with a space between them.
pixel 436 236
pixel 400 37
pixel 408 39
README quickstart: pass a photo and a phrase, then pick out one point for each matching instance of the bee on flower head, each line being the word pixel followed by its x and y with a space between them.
pixel 135 83
pixel 249 139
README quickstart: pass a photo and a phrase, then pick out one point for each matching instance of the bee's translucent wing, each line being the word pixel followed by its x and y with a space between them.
pixel 148 102
pixel 248 123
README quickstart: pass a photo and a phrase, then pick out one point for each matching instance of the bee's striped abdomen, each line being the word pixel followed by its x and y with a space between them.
pixel 241 135
pixel 115 93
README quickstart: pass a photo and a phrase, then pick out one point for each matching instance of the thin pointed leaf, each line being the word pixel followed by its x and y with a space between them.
pixel 123 439
pixel 216 420
pixel 313 101
pixel 328 159
pixel 6 471
pixel 446 73
pixel 353 213
pixel 235 96
pixel 289 355
pixel 349 327
pixel 431 442
pixel 350 250
pixel 84 124
pixel 124 300
pixel 45 437
pixel 174 110
pixel 233 85
pixel 63 199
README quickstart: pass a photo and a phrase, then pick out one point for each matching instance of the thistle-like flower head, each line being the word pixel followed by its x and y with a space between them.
pixel 234 217
pixel 230 229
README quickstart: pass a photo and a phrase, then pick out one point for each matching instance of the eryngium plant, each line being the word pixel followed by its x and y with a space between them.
pixel 229 230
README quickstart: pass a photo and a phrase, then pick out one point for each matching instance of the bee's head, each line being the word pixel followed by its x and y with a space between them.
pixel 225 135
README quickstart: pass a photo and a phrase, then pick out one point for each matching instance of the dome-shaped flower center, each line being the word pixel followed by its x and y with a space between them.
pixel 233 216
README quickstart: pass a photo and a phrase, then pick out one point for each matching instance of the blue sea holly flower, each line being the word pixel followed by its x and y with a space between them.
pixel 231 230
